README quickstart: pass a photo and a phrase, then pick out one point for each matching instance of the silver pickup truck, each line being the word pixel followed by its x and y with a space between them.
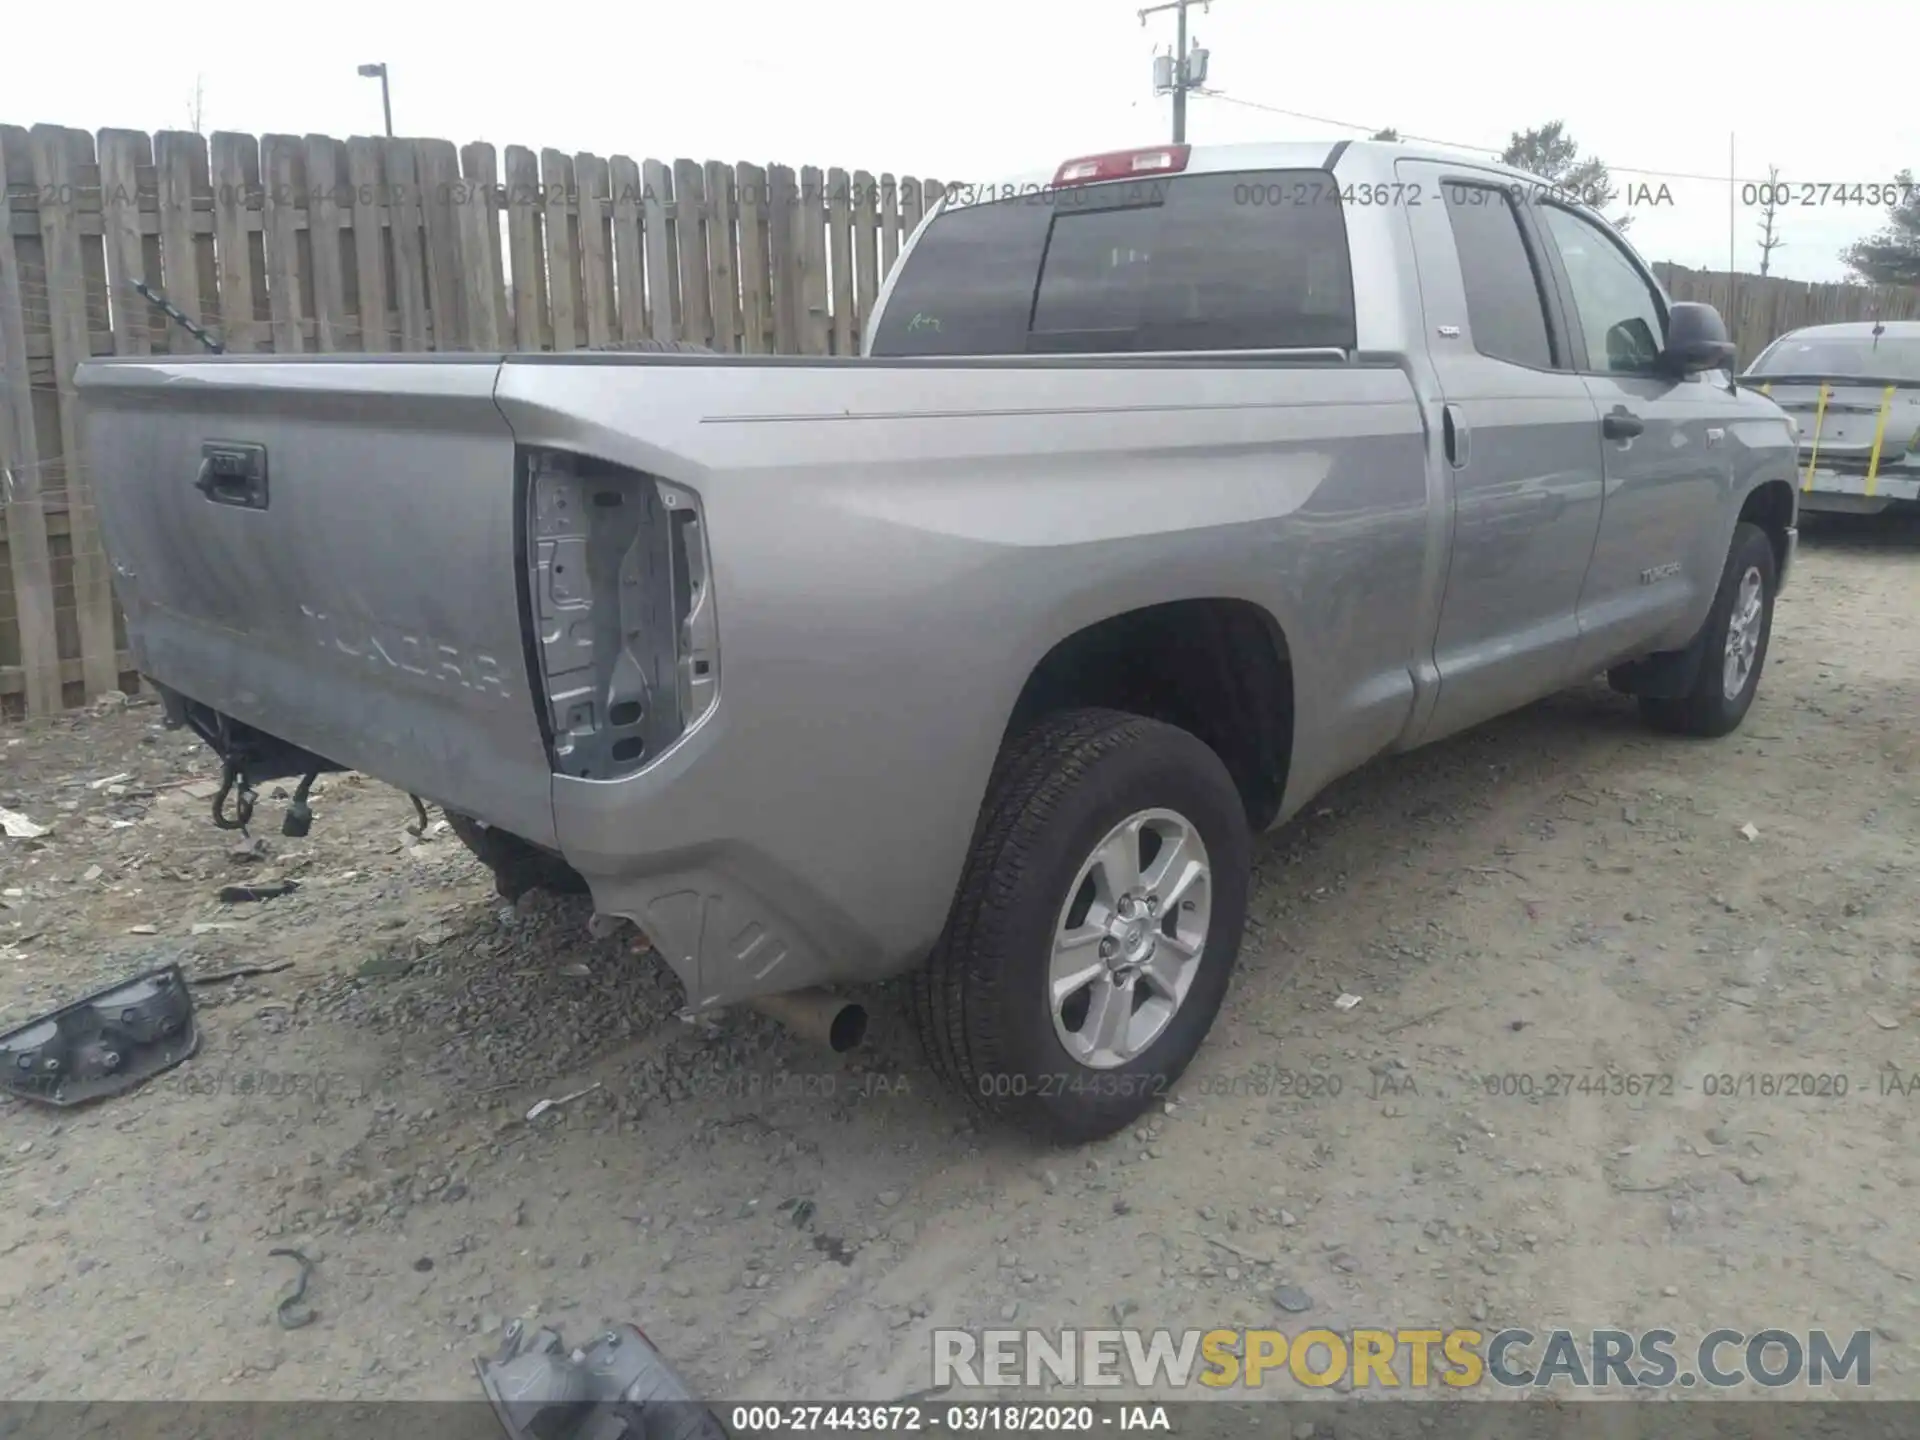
pixel 1174 484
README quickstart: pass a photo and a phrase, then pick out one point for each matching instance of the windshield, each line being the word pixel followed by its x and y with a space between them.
pixel 1836 357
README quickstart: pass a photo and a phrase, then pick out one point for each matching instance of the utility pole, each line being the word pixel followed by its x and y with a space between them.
pixel 386 101
pixel 1185 69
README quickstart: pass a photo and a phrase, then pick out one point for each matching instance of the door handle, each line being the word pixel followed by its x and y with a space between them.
pixel 1621 424
pixel 1454 424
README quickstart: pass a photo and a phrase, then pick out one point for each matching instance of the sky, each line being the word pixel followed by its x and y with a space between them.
pixel 974 89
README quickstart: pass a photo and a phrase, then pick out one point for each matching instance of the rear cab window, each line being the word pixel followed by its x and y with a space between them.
pixel 1246 260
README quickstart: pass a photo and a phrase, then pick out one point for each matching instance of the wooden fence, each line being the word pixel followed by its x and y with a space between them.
pixel 292 244
pixel 1760 309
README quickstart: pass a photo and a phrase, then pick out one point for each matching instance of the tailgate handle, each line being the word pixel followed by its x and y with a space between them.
pixel 233 474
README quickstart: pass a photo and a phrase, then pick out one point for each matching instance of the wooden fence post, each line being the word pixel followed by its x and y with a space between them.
pixel 532 328
pixel 690 246
pixel 75 298
pixel 22 502
pixel 629 254
pixel 236 191
pixel 189 276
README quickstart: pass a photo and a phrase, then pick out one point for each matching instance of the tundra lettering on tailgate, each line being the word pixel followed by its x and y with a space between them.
pixel 425 657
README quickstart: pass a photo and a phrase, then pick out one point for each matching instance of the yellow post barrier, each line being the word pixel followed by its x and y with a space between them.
pixel 1819 420
pixel 1879 439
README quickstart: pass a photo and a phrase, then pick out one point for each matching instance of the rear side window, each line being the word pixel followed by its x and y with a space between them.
pixel 1248 261
pixel 967 286
pixel 1504 305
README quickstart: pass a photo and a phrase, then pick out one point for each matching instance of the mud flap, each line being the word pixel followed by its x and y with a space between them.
pixel 106 1043
pixel 1669 675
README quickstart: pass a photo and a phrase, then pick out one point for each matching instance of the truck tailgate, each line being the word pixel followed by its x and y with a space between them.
pixel 326 550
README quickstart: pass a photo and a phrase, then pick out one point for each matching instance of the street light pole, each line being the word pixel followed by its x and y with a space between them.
pixel 386 100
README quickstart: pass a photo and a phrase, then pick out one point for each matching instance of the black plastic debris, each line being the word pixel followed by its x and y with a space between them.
pixel 268 890
pixel 104 1044
pixel 293 1312
pixel 619 1387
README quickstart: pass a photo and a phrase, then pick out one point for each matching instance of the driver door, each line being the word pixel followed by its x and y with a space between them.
pixel 1666 446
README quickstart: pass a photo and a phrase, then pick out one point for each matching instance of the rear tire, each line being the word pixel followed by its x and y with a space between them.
pixel 1044 903
pixel 1737 632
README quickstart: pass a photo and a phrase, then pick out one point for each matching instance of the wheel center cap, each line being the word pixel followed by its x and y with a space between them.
pixel 1136 946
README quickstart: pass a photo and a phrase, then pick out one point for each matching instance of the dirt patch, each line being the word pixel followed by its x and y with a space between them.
pixel 1529 914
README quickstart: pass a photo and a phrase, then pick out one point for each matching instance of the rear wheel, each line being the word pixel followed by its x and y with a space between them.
pixel 1735 644
pixel 1095 928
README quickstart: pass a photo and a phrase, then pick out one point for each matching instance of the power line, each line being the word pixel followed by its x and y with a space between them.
pixel 1455 144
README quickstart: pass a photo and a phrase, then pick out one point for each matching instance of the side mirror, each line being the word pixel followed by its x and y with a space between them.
pixel 1696 340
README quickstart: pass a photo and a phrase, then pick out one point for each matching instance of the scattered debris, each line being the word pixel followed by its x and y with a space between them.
pixel 248 851
pixel 1748 831
pixel 1346 1001
pixel 243 972
pixel 102 784
pixel 834 1248
pixel 293 1312
pixel 16 826
pixel 267 890
pixel 620 1384
pixel 540 1107
pixel 1245 1254
pixel 1292 1299
pixel 103 1043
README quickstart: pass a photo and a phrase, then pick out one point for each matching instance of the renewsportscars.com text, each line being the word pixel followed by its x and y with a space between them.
pixel 1402 1358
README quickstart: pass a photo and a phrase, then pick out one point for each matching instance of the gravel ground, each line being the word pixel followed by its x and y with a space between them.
pixel 1558 893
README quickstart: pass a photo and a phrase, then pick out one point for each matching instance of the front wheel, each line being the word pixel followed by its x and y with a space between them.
pixel 1735 644
pixel 1096 925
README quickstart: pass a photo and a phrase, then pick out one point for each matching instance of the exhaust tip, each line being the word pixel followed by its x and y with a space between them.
pixel 848 1029
pixel 815 1015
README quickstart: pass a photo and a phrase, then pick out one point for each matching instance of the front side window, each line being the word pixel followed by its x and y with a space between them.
pixel 1620 312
